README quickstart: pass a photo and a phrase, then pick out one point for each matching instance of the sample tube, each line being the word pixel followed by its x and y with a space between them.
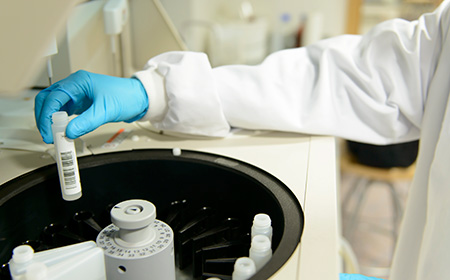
pixel 262 224
pixel 260 250
pixel 66 158
pixel 244 268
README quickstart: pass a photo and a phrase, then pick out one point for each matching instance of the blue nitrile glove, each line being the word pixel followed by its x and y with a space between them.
pixel 346 276
pixel 98 99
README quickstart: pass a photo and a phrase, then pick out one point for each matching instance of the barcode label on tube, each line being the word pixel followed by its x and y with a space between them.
pixel 66 160
pixel 68 169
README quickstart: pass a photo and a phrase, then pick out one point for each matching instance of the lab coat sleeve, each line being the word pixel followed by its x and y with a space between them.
pixel 183 95
pixel 370 88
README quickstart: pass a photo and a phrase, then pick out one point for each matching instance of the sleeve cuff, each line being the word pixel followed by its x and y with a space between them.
pixel 153 83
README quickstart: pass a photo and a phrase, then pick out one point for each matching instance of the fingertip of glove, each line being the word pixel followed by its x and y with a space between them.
pixel 79 126
pixel 46 134
pixel 48 139
pixel 73 131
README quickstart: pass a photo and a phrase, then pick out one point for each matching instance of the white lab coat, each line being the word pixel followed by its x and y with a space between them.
pixel 388 86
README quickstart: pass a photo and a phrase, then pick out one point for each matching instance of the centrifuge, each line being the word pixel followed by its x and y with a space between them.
pixel 199 185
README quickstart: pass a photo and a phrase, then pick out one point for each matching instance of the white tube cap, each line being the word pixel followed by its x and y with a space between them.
pixel 244 268
pixel 60 118
pixel 262 220
pixel 22 254
pixel 261 243
pixel 133 214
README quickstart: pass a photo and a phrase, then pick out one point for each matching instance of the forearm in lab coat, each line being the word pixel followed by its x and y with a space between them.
pixel 369 88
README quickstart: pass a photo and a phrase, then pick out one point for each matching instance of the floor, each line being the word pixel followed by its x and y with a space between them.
pixel 372 239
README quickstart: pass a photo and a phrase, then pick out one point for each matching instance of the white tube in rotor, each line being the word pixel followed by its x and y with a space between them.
pixel 262 225
pixel 244 268
pixel 66 158
pixel 260 250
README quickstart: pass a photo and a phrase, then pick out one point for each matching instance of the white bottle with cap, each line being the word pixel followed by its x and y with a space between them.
pixel 262 225
pixel 244 268
pixel 260 250
pixel 136 245
pixel 66 158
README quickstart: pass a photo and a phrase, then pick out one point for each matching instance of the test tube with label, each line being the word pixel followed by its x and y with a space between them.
pixel 66 158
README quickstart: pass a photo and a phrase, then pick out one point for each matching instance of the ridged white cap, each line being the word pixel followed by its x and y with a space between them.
pixel 244 268
pixel 60 118
pixel 23 254
pixel 261 243
pixel 262 220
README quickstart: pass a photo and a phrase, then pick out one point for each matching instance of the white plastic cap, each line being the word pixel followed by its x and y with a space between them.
pixel 261 243
pixel 60 118
pixel 22 254
pixel 262 221
pixel 133 214
pixel 244 268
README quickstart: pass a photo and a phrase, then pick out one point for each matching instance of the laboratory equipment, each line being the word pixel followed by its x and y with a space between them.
pixel 66 158
pixel 260 250
pixel 136 245
pixel 53 49
pixel 28 31
pixel 207 229
pixel 191 181
pixel 244 269
pixel 148 42
pixel 281 38
pixel 237 42
pixel 79 261
pixel 115 16
pixel 262 225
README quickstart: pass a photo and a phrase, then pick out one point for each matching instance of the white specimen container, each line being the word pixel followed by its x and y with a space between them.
pixel 244 268
pixel 66 158
pixel 262 225
pixel 260 250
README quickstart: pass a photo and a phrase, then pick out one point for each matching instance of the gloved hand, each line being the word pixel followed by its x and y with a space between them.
pixel 98 99
pixel 345 276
